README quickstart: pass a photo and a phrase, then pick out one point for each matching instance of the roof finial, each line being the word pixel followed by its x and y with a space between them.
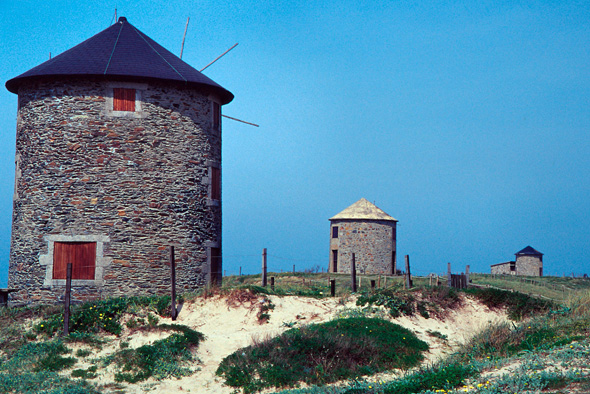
pixel 122 19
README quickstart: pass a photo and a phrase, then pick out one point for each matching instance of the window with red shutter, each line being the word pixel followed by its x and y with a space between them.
pixel 123 99
pixel 82 255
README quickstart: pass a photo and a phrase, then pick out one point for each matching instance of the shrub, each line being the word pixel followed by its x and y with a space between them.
pixel 504 339
pixel 323 353
pixel 43 382
pixel 95 316
pixel 518 305
pixel 89 373
pixel 161 359
pixel 440 377
pixel 396 304
pixel 41 356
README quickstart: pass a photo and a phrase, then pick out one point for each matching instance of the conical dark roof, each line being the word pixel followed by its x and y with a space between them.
pixel 121 52
pixel 528 251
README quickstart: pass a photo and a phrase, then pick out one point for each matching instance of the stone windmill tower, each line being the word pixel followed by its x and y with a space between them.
pixel 118 155
pixel 369 233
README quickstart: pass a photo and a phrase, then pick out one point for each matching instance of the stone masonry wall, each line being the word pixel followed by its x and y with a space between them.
pixel 138 184
pixel 503 268
pixel 528 265
pixel 373 242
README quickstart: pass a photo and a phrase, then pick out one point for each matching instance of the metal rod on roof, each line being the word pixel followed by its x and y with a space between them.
pixel 184 36
pixel 219 57
pixel 239 120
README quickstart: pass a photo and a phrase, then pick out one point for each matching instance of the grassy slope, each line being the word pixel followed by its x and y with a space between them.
pixel 28 346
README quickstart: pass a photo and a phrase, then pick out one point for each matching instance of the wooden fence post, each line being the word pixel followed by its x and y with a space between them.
pixel 173 310
pixel 264 267
pixel 67 299
pixel 379 281
pixel 408 275
pixel 240 270
pixel 353 274
pixel 467 275
pixel 272 283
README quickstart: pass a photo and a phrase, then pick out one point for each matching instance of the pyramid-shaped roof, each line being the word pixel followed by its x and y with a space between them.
pixel 528 251
pixel 121 52
pixel 363 210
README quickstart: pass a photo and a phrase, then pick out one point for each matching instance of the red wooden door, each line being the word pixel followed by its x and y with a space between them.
pixel 82 255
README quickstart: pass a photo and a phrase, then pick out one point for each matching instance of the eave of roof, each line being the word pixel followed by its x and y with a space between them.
pixel 528 251
pixel 363 210
pixel 121 52
pixel 507 262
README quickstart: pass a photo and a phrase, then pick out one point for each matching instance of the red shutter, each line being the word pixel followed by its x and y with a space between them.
pixel 123 99
pixel 82 255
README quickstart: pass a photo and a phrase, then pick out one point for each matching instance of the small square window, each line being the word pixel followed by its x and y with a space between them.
pixel 123 99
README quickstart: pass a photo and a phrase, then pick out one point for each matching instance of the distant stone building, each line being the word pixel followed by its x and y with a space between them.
pixel 529 262
pixel 118 156
pixel 369 233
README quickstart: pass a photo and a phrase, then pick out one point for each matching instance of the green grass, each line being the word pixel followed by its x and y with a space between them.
pixel 34 367
pixel 317 284
pixel 559 289
pixel 323 353
pixel 104 316
pixel 426 301
pixel 32 359
pixel 43 382
pixel 35 360
pixel 518 305
pixel 163 358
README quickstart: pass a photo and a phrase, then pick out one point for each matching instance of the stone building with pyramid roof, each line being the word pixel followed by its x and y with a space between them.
pixel 528 262
pixel 369 233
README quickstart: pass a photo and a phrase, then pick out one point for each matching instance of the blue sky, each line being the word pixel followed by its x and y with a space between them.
pixel 467 121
